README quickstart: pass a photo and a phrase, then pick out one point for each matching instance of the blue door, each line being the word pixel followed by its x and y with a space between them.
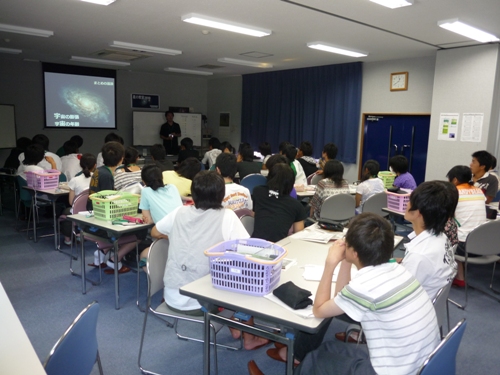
pixel 389 135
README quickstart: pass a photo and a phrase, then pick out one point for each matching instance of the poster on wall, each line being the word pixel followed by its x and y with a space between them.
pixel 145 101
pixel 224 126
pixel 448 126
pixel 472 127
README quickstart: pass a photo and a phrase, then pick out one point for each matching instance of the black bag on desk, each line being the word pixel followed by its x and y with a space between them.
pixel 293 296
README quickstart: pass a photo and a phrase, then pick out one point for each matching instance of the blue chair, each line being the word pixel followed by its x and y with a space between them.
pixel 442 360
pixel 76 351
pixel 252 180
pixel 62 178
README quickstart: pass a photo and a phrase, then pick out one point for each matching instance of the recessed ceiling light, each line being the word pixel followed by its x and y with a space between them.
pixel 333 49
pixel 98 61
pixel 466 30
pixel 393 3
pixel 245 62
pixel 143 48
pixel 100 2
pixel 225 25
pixel 11 51
pixel 188 71
pixel 25 30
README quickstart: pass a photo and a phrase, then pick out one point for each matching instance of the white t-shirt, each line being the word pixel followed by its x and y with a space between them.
pixel 79 183
pixel 237 197
pixel 71 165
pixel 44 163
pixel 430 259
pixel 28 168
pixel 191 231
pixel 300 178
pixel 210 157
pixel 398 318
pixel 471 210
pixel 100 160
pixel 368 188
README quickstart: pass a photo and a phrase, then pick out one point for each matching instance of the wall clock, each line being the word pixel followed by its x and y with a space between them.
pixel 399 81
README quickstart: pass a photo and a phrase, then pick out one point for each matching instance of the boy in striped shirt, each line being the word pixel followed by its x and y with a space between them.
pixel 397 316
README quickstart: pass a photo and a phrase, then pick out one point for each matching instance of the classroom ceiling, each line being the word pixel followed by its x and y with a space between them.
pixel 85 29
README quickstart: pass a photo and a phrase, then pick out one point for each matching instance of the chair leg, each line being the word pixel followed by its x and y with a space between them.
pixel 138 277
pixel 99 365
pixel 462 307
pixel 492 276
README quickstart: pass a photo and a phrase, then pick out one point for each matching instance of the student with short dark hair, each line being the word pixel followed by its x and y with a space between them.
pixel 187 150
pixel 480 167
pixel 77 139
pixel 400 332
pixel 110 137
pixel 32 158
pixel 245 162
pixel 304 157
pixel 43 140
pixel 71 160
pixel 329 152
pixel 186 259
pixel 212 153
pixel 266 152
pixel 159 156
pixel 370 184
pixel 275 210
pixel 429 255
pixel 12 161
pixel 236 196
pixel 183 176
pixel 332 184
pixel 128 176
pixel 403 180
pixel 290 152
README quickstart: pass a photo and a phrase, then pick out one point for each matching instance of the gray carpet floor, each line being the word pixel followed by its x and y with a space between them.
pixel 47 298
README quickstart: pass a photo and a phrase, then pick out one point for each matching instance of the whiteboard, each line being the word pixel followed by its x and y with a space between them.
pixel 8 126
pixel 146 127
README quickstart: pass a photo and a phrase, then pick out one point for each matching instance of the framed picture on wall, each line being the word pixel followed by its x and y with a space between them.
pixel 224 119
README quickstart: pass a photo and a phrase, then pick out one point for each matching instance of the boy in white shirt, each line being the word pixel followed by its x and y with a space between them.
pixel 236 196
pixel 71 160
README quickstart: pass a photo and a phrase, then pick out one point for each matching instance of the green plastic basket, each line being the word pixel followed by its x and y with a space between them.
pixel 110 205
pixel 387 177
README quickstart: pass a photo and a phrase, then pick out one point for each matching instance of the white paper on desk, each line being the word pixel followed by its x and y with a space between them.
pixel 314 272
pixel 315 234
pixel 304 313
pixel 85 213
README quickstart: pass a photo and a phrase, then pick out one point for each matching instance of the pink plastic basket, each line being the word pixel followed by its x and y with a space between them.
pixel 398 202
pixel 43 180
pixel 233 267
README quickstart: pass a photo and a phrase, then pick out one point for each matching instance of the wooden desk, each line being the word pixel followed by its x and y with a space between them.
pixel 17 355
pixel 114 232
pixel 52 195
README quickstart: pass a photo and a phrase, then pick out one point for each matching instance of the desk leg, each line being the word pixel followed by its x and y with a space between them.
pixel 55 223
pixel 34 213
pixel 206 344
pixel 289 358
pixel 117 279
pixel 82 260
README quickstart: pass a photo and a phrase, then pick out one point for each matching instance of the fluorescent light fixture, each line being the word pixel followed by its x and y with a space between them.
pixel 25 30
pixel 98 61
pixel 100 2
pixel 245 62
pixel 329 48
pixel 466 30
pixel 393 3
pixel 225 25
pixel 11 51
pixel 142 48
pixel 188 71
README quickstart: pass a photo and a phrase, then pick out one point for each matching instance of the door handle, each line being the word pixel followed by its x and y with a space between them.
pixel 395 147
pixel 403 149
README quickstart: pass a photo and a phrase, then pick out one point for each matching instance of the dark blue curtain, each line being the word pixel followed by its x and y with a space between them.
pixel 320 105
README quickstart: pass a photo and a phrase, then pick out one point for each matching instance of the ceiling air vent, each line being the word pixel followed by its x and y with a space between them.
pixel 110 54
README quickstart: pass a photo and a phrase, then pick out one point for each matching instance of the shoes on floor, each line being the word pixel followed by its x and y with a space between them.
pixel 111 271
pixel 99 257
pixel 274 353
pixel 459 283
pixel 341 337
pixel 111 264
pixel 103 265
pixel 279 345
pixel 253 369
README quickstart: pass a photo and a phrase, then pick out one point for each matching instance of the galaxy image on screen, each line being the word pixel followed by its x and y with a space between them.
pixel 79 101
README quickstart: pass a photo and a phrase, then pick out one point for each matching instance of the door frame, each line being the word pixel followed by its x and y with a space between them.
pixel 362 140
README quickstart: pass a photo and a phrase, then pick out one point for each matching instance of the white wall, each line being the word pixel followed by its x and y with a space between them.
pixel 466 80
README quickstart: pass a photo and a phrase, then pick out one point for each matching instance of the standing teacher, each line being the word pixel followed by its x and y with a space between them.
pixel 169 132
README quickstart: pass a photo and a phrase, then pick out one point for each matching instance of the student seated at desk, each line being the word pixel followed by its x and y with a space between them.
pixel 111 137
pixel 42 140
pixel 329 152
pixel 187 150
pixel 77 139
pixel 12 161
pixel 236 196
pixel 470 212
pixel 332 184
pixel 183 176
pixel 305 158
pixel 480 166
pixel 370 184
pixel 130 173
pixel 159 157
pixel 266 152
pixel 396 313
pixel 212 153
pixel 275 210
pixel 246 165
pixel 103 179
pixel 70 160
pixel 32 157
pixel 290 153
pixel 404 180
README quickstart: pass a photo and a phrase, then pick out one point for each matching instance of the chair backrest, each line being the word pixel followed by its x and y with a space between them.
pixel 484 239
pixel 252 180
pixel 316 178
pixel 62 177
pixel 156 264
pixel 248 222
pixel 375 204
pixel 240 212
pixel 80 202
pixel 310 177
pixel 442 360
pixel 76 351
pixel 440 302
pixel 24 195
pixel 338 207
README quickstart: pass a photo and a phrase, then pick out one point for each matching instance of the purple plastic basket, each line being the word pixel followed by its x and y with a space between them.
pixel 43 180
pixel 398 202
pixel 243 273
